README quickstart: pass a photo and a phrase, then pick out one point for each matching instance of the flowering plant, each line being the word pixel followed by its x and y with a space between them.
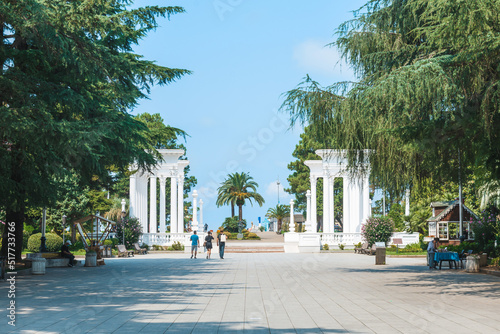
pixel 486 230
pixel 133 231
pixel 377 229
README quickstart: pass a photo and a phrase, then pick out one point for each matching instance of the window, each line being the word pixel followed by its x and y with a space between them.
pixel 432 229
pixel 443 230
pixel 454 230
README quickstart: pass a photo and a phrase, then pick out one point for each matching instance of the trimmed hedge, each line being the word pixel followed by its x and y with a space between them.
pixel 53 242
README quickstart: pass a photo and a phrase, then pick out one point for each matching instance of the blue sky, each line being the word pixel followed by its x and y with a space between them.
pixel 244 55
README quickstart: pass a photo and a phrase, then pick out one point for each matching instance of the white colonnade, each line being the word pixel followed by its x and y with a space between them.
pixel 356 199
pixel 170 167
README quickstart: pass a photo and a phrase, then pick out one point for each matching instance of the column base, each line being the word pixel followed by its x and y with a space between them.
pixel 309 242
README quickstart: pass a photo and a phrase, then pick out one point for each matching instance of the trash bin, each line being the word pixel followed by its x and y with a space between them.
pixel 472 264
pixel 38 266
pixel 483 260
pixel 91 260
pixel 380 253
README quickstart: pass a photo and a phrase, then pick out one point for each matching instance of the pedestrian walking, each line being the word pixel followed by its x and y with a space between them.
pixel 208 244
pixel 195 243
pixel 221 242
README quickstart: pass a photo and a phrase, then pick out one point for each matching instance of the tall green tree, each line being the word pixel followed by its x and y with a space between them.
pixel 237 189
pixel 427 91
pixel 279 213
pixel 68 78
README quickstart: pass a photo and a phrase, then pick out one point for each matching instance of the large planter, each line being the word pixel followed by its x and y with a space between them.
pixel 91 260
pixel 483 260
pixel 38 266
pixel 472 264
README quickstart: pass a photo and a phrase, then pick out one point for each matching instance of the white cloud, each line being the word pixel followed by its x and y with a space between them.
pixel 316 58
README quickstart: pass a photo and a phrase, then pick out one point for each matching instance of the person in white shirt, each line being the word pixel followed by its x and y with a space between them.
pixel 431 249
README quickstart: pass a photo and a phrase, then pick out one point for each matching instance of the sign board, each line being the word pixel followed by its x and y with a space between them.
pixel 380 244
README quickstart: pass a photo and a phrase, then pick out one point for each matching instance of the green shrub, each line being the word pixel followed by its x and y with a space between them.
pixel 177 246
pixel 133 231
pixel 341 246
pixel 495 262
pixel 326 247
pixel 108 242
pixel 231 224
pixel 53 242
pixel 262 228
pixel 252 236
pixel 377 229
pixel 358 245
pixel 76 246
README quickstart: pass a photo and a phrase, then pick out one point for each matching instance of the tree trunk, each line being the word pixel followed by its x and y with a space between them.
pixel 240 207
pixel 232 209
pixel 15 214
pixel 279 224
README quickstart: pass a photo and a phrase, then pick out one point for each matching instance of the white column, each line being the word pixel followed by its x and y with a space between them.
pixel 308 219
pixel 314 216
pixel 292 221
pixel 173 204
pixel 133 195
pixel 201 215
pixel 152 205
pixel 143 202
pixel 162 204
pixel 354 205
pixel 345 205
pixel 407 202
pixel 195 210
pixel 180 203
pixel 326 202
pixel 331 204
pixel 367 210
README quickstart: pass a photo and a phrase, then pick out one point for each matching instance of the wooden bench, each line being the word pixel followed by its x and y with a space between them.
pixel 361 249
pixel 139 250
pixel 122 251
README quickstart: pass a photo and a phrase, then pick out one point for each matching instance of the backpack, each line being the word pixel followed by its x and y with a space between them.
pixel 222 237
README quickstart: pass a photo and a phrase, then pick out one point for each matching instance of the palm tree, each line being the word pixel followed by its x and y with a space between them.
pixel 236 189
pixel 225 196
pixel 279 212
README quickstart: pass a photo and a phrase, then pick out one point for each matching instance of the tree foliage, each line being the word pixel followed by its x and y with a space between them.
pixel 68 78
pixel 237 189
pixel 427 90
pixel 279 212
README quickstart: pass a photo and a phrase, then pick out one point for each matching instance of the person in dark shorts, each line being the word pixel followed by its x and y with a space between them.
pixel 221 242
pixel 67 254
pixel 195 242
pixel 208 245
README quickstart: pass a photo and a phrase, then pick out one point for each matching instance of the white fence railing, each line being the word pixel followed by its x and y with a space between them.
pixel 166 239
pixel 349 239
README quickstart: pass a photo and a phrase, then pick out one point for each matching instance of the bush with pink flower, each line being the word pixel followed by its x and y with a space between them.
pixel 377 229
pixel 133 231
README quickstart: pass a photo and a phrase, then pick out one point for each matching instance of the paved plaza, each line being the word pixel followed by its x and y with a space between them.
pixel 256 293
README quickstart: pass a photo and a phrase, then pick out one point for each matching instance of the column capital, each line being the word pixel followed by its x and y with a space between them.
pixel 163 179
pixel 308 193
pixel 195 193
pixel 173 172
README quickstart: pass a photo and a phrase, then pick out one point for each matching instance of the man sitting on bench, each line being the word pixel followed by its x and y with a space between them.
pixel 67 254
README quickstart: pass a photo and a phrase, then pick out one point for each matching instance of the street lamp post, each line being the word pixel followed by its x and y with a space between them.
pixel 123 220
pixel 43 246
pixel 64 224
pixel 278 184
